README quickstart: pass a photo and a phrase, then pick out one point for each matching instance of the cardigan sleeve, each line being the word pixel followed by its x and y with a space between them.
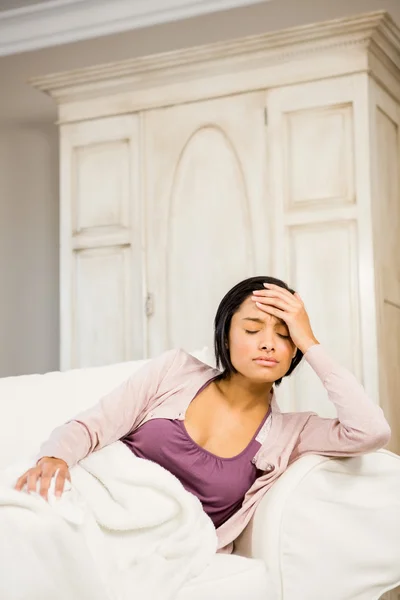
pixel 115 414
pixel 360 425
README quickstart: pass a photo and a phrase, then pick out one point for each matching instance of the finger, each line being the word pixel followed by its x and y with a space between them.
pixel 281 292
pixel 44 486
pixel 269 293
pixel 272 311
pixel 31 481
pixel 60 482
pixel 21 481
pixel 291 300
pixel 278 288
pixel 276 302
pixel 299 297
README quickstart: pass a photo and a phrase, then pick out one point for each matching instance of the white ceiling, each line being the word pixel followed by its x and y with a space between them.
pixel 32 24
pixel 10 4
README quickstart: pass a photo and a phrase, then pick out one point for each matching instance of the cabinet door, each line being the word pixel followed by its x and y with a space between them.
pixel 319 173
pixel 385 115
pixel 206 212
pixel 101 261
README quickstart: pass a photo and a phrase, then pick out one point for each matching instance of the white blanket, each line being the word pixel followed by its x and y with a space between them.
pixel 125 529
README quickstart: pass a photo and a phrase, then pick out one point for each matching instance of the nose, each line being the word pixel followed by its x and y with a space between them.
pixel 267 343
pixel 267 348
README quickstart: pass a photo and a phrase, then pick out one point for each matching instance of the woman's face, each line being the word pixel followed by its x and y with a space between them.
pixel 255 337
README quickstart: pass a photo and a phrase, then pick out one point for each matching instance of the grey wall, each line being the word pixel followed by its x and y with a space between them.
pixel 29 326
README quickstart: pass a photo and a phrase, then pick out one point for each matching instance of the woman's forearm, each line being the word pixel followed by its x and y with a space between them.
pixel 70 442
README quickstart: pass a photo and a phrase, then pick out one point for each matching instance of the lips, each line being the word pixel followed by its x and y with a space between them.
pixel 266 362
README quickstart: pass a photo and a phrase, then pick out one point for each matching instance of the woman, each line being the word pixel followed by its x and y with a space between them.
pixel 221 433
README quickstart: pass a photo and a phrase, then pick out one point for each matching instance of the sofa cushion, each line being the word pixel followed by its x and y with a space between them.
pixel 231 577
pixel 31 406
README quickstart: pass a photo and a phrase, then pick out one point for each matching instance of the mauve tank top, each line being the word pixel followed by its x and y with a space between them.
pixel 219 483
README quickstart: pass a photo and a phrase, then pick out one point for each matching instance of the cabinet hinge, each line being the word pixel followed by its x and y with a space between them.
pixel 265 116
pixel 149 305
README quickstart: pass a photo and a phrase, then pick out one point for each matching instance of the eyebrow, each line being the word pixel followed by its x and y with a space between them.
pixel 253 319
pixel 256 320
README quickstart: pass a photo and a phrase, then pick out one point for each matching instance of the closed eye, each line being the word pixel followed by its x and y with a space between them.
pixel 286 337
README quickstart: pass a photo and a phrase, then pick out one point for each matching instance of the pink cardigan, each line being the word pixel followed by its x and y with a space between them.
pixel 164 388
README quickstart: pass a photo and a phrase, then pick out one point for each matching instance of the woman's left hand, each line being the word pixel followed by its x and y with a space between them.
pixel 282 304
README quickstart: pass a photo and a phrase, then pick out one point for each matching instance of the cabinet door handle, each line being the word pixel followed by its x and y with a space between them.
pixel 149 305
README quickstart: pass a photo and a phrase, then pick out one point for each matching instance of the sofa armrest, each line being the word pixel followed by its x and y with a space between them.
pixel 330 528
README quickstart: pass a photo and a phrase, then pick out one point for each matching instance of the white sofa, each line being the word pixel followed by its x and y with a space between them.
pixel 329 529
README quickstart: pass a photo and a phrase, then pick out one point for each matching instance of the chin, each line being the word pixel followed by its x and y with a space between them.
pixel 263 375
pixel 267 374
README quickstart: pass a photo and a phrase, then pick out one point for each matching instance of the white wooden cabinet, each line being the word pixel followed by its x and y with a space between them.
pixel 207 212
pixel 183 173
pixel 101 263
pixel 317 134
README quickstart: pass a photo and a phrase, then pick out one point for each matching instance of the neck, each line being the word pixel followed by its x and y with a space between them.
pixel 244 395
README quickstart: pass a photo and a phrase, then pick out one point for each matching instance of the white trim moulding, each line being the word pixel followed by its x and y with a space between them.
pixel 56 22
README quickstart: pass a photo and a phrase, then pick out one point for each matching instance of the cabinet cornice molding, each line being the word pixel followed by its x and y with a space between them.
pixel 367 43
pixel 376 29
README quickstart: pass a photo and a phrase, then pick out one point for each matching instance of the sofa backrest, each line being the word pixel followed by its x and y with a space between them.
pixel 31 406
